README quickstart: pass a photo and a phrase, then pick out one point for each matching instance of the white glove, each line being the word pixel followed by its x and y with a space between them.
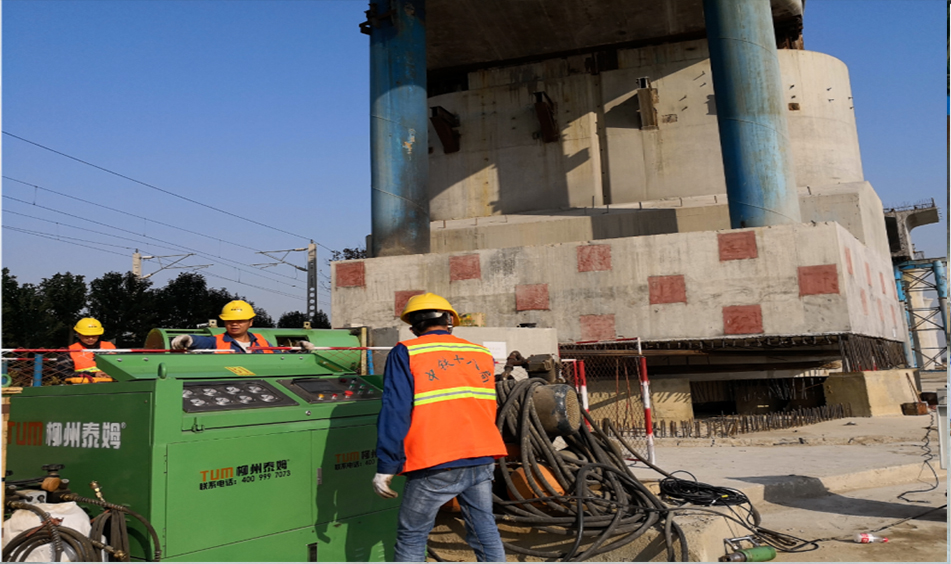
pixel 306 345
pixel 181 342
pixel 381 485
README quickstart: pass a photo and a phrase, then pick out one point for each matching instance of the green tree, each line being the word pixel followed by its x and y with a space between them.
pixel 296 319
pixel 185 302
pixel 125 305
pixel 64 301
pixel 354 253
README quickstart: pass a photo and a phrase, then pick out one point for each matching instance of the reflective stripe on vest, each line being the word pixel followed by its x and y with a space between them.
pixel 450 347
pixel 453 393
pixel 222 345
pixel 83 361
pixel 453 402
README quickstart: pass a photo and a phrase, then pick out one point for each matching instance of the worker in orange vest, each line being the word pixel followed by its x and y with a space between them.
pixel 81 361
pixel 237 316
pixel 437 428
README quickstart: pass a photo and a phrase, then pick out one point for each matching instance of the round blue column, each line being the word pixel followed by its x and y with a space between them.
pixel 751 113
pixel 399 144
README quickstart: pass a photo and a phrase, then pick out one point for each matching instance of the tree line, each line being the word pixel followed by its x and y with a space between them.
pixel 43 315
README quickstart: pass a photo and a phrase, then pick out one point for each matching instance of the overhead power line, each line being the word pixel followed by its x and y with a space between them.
pixel 144 218
pixel 197 252
pixel 68 242
pixel 142 244
pixel 130 214
pixel 58 236
pixel 162 190
pixel 206 273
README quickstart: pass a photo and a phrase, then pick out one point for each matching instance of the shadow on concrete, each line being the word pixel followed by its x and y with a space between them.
pixel 806 492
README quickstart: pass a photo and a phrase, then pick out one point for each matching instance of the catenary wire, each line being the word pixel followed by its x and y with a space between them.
pixel 130 214
pixel 77 244
pixel 148 219
pixel 206 273
pixel 196 251
pixel 65 238
pixel 162 190
pixel 142 244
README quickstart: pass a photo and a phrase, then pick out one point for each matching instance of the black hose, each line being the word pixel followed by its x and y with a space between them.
pixel 48 533
pixel 119 526
pixel 609 507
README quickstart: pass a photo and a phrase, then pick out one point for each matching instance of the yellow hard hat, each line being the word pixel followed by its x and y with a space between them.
pixel 88 326
pixel 238 310
pixel 428 301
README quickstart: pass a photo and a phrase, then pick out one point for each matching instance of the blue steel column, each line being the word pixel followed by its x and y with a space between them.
pixel 38 370
pixel 751 113
pixel 941 285
pixel 399 145
pixel 905 301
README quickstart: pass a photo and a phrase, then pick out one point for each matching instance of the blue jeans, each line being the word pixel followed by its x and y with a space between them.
pixel 427 490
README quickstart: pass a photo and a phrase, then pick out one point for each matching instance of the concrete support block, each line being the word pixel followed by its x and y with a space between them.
pixel 871 394
pixel 671 399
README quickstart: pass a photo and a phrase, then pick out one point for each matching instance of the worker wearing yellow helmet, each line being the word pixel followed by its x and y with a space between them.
pixel 437 428
pixel 81 360
pixel 237 316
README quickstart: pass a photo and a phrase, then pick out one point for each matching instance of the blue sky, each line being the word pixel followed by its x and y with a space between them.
pixel 261 108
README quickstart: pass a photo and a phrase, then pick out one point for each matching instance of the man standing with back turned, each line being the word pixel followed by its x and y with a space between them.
pixel 437 427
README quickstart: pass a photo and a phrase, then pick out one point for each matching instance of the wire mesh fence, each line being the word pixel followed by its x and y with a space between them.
pixel 610 388
pixel 24 368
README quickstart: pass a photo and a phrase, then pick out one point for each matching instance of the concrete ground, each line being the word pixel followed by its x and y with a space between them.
pixel 823 481
pixel 829 480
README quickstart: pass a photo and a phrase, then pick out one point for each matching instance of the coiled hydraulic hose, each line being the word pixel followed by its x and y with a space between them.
pixel 48 533
pixel 610 507
pixel 85 549
pixel 114 514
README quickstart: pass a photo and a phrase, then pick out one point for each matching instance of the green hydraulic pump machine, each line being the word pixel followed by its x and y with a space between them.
pixel 231 457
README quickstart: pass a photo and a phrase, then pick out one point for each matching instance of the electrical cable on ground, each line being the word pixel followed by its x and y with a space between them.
pixel 884 527
pixel 609 507
pixel 928 456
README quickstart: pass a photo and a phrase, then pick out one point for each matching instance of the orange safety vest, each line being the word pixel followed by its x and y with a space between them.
pixel 83 360
pixel 222 345
pixel 453 402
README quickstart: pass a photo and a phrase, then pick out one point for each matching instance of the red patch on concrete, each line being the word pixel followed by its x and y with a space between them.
pixel 597 327
pixel 894 321
pixel 881 314
pixel 400 297
pixel 350 274
pixel 820 279
pixel 594 257
pixel 864 301
pixel 742 320
pixel 848 260
pixel 868 275
pixel 894 290
pixel 736 246
pixel 881 277
pixel 531 296
pixel 464 267
pixel 667 289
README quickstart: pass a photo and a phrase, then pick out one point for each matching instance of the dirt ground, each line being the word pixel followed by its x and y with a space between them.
pixel 923 538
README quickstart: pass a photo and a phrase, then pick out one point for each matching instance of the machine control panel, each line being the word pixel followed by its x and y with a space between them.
pixel 225 396
pixel 330 390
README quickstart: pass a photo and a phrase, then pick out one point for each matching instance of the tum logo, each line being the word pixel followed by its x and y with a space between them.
pixel 29 433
